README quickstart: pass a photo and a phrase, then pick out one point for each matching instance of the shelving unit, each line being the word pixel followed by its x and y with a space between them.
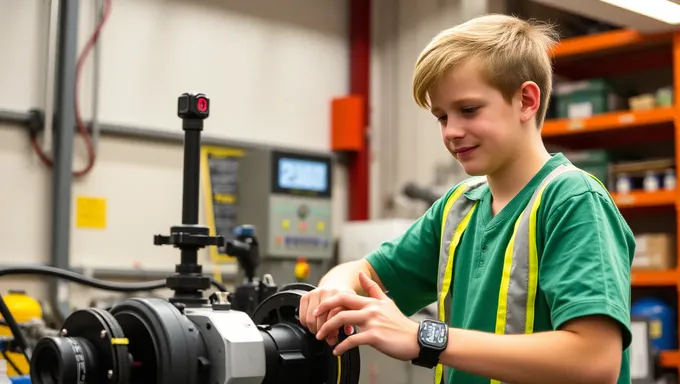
pixel 620 52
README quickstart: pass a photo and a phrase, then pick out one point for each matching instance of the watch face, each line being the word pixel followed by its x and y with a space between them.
pixel 433 334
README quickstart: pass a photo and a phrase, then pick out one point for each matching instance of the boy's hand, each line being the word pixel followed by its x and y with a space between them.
pixel 381 324
pixel 310 302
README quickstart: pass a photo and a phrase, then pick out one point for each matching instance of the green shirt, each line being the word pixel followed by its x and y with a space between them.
pixel 585 255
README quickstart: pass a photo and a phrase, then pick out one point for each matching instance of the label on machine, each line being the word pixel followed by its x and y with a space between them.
pixel 220 187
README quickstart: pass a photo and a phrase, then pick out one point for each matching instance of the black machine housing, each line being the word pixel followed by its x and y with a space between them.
pixel 251 336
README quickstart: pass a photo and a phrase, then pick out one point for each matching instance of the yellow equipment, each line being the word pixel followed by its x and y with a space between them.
pixel 24 309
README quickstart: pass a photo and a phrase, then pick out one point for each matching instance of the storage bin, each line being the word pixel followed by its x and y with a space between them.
pixel 585 98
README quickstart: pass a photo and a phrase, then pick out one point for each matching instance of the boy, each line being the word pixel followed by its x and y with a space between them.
pixel 535 256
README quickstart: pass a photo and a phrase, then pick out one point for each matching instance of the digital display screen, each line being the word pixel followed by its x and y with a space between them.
pixel 433 334
pixel 305 175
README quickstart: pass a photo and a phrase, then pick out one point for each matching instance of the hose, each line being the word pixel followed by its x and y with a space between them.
pixel 80 125
pixel 74 277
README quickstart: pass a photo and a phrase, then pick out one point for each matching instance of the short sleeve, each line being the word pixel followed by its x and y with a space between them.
pixel 407 266
pixel 585 265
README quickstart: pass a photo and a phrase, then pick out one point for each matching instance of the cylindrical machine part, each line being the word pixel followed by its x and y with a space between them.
pixel 288 354
pixel 75 359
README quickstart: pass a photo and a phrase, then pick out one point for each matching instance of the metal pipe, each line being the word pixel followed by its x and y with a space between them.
pixel 22 119
pixel 96 65
pixel 62 172
pixel 50 68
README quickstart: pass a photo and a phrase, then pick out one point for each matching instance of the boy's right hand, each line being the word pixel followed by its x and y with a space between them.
pixel 311 300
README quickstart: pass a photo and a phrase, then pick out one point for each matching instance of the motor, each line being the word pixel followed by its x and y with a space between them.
pixel 189 339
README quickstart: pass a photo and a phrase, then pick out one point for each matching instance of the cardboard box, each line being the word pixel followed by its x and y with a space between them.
pixel 655 251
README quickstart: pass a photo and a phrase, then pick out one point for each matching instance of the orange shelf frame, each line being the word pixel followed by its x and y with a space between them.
pixel 606 41
pixel 645 199
pixel 642 278
pixel 608 121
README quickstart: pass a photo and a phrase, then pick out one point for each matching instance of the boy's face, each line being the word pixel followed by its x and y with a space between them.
pixel 479 127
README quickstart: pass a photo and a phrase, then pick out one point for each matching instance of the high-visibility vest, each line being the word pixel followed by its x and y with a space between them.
pixel 519 280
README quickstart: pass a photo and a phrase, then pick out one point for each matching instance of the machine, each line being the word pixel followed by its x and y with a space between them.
pixel 187 339
pixel 290 204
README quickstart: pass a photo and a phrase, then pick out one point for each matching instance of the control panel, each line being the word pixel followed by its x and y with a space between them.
pixel 287 196
pixel 299 226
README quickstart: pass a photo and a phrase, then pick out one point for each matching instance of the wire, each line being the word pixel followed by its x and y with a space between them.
pixel 19 336
pixel 10 362
pixel 43 270
pixel 74 277
pixel 83 280
pixel 82 128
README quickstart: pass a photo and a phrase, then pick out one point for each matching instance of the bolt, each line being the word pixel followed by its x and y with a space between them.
pixel 102 334
pixel 64 332
pixel 109 374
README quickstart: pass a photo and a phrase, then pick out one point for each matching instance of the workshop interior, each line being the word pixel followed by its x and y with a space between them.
pixel 177 174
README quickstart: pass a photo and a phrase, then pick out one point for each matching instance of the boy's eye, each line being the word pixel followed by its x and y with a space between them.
pixel 468 110
pixel 442 119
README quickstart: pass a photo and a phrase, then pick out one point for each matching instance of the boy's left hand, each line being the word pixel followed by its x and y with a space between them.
pixel 381 324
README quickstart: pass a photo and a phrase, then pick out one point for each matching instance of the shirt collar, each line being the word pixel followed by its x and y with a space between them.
pixel 556 159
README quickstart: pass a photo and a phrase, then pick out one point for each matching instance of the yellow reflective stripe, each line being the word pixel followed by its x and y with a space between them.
pixel 502 310
pixel 446 284
pixel 447 208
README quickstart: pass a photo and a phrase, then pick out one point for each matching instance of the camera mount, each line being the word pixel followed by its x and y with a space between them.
pixel 188 282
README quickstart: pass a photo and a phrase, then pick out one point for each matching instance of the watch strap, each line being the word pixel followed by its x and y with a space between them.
pixel 427 357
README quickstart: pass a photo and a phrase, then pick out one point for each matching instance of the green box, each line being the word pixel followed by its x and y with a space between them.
pixel 595 162
pixel 585 98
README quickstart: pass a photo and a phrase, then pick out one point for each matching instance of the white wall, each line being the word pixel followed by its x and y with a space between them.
pixel 269 67
pixel 407 140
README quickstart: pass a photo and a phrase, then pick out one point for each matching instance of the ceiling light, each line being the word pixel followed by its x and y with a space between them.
pixel 663 10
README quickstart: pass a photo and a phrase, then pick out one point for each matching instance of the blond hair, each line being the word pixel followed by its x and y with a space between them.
pixel 510 51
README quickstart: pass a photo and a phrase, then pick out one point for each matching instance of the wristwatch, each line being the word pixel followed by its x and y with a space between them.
pixel 433 337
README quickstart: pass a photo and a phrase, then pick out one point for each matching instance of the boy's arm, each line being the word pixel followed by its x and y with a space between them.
pixel 406 268
pixel 585 276
pixel 347 275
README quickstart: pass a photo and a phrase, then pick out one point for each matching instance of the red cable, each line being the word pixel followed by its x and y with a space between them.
pixel 82 129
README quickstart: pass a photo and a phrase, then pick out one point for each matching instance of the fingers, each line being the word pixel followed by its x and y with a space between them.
pixel 303 309
pixel 353 341
pixel 309 315
pixel 342 319
pixel 321 318
pixel 371 287
pixel 332 338
pixel 349 301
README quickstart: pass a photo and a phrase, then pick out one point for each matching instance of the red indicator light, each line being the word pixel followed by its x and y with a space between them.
pixel 202 105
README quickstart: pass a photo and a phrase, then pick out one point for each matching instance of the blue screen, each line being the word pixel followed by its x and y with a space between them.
pixel 303 175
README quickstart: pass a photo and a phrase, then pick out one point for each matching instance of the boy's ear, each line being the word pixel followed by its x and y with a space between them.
pixel 530 99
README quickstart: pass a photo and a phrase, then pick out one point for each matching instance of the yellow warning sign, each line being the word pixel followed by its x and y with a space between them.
pixel 90 212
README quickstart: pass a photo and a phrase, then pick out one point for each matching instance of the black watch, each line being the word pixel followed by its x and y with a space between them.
pixel 433 337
